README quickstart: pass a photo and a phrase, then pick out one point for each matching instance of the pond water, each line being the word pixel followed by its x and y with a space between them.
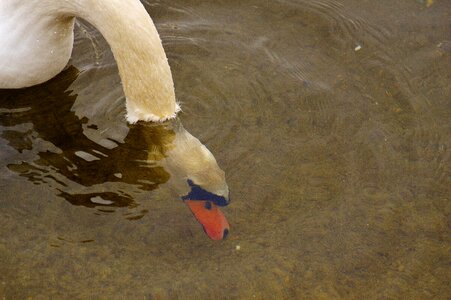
pixel 330 119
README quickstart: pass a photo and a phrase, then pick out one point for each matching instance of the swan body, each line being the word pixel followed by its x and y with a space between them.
pixel 36 40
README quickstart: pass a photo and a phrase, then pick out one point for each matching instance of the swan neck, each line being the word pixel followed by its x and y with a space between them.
pixel 142 63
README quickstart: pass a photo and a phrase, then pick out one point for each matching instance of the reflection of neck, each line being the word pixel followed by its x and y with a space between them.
pixel 137 48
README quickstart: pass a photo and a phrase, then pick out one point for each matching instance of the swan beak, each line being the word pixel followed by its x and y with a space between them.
pixel 210 217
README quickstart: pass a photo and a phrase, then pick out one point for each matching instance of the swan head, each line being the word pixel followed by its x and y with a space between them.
pixel 207 191
pixel 198 179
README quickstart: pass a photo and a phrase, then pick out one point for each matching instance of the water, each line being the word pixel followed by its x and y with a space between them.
pixel 330 119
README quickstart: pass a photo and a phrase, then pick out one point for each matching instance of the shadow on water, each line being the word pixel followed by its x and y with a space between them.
pixel 74 157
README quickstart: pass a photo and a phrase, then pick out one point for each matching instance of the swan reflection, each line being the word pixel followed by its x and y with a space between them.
pixel 54 150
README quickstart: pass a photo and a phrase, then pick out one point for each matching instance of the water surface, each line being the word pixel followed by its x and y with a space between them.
pixel 330 119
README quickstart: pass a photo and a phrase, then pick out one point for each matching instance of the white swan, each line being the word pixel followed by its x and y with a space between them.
pixel 36 39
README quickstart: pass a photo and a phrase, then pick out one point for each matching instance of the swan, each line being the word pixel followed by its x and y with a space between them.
pixel 36 40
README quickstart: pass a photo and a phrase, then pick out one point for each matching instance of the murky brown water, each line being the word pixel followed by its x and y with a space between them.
pixel 330 118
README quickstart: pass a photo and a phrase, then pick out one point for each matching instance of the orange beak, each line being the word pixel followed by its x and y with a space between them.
pixel 212 219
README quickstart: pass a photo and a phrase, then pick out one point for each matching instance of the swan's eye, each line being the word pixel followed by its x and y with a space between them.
pixel 207 205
